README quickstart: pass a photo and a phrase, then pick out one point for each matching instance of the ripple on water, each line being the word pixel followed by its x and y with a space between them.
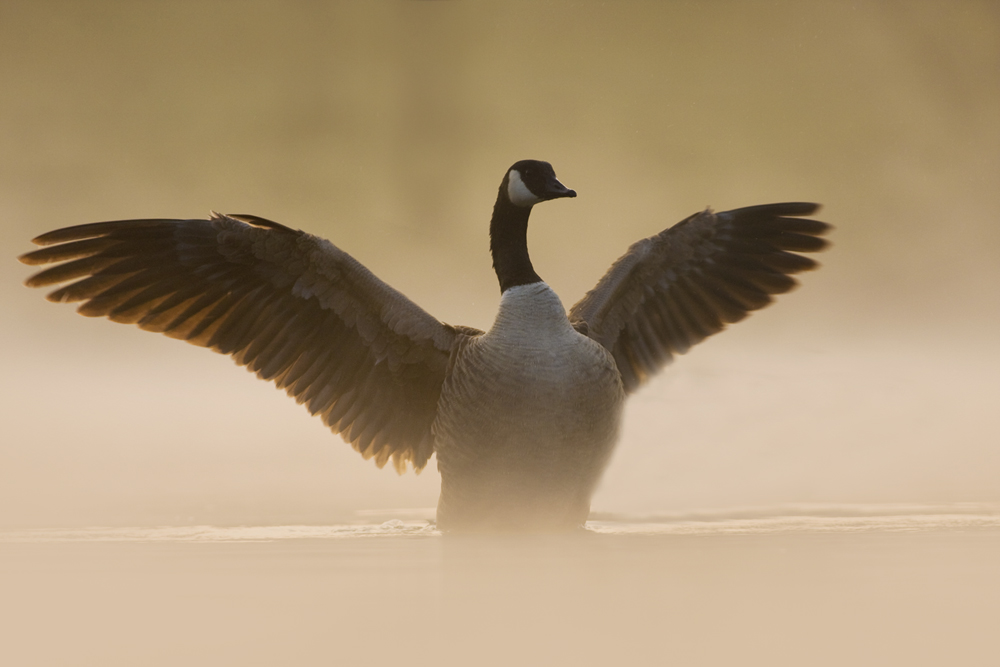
pixel 787 519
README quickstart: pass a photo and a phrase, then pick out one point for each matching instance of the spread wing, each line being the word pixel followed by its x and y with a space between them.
pixel 291 307
pixel 673 290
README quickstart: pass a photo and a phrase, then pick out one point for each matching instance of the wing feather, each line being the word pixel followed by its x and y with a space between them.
pixel 673 290
pixel 291 307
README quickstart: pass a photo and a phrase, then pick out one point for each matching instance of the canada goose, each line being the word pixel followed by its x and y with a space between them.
pixel 522 417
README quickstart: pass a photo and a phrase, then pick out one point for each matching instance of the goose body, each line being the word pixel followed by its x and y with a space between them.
pixel 523 417
pixel 534 456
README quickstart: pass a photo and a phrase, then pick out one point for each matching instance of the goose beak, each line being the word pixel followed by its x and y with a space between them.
pixel 555 190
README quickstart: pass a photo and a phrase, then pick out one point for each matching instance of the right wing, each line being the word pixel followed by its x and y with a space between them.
pixel 673 290
pixel 291 307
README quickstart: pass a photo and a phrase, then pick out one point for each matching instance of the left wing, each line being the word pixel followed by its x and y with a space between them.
pixel 291 307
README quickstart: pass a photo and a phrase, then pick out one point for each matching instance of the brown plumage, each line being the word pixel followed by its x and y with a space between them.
pixel 397 383
pixel 673 290
pixel 292 308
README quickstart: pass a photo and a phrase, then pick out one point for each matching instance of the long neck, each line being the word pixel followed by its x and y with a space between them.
pixel 509 243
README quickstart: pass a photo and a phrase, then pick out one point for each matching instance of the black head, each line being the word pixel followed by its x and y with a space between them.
pixel 529 182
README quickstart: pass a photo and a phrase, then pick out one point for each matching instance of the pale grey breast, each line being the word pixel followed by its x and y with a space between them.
pixel 527 419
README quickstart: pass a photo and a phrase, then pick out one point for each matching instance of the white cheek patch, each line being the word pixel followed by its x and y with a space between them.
pixel 518 192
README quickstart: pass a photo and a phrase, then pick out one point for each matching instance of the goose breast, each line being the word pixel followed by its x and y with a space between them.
pixel 527 419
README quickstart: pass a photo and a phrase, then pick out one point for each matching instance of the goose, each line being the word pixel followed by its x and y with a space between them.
pixel 523 417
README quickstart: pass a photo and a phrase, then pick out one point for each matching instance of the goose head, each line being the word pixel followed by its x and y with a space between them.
pixel 526 183
pixel 529 182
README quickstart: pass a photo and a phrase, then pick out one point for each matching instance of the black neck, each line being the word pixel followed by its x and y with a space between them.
pixel 509 243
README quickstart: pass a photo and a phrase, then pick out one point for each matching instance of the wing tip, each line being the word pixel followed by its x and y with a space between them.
pixel 58 236
pixel 796 208
pixel 31 258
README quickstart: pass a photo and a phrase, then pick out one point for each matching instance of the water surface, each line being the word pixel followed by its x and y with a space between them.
pixel 912 585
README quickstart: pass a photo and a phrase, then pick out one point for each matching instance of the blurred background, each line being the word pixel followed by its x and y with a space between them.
pixel 386 127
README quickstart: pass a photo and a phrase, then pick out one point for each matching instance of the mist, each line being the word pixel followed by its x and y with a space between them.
pixel 386 128
pixel 816 485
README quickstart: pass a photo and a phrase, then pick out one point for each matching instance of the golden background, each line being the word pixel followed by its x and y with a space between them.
pixel 387 126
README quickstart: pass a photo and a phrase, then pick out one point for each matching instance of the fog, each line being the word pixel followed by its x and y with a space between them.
pixel 386 127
